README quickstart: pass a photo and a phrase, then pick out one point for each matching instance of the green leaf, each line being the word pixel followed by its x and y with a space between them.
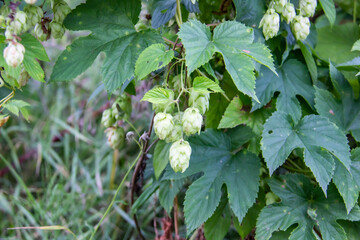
pixel 202 84
pixel 17 106
pixel 356 46
pixel 335 42
pixel 249 12
pixel 153 58
pixel 236 114
pixel 348 183
pixel 343 111
pixel 111 23
pixel 235 42
pixel 217 107
pixel 159 95
pixel 161 157
pixel 167 192
pixel 34 50
pixel 216 227
pixel 320 139
pixel 310 62
pixel 293 80
pixel 305 205
pixel 212 155
pixel 329 8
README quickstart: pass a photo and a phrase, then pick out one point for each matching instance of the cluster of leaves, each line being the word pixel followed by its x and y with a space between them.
pixel 280 149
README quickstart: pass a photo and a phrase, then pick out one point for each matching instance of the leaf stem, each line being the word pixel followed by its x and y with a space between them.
pixel 114 198
pixel 178 13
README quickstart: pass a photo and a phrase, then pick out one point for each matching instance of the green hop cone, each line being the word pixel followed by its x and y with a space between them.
pixel 199 101
pixel 307 7
pixel 278 5
pixel 163 125
pixel 57 29
pixel 122 107
pixel 192 121
pixel 107 118
pixel 61 9
pixel 34 14
pixel 39 32
pixel 14 54
pixel 179 155
pixel 175 134
pixel 9 33
pixel 20 22
pixel 30 1
pixel 23 78
pixel 288 12
pixel 116 137
pixel 270 23
pixel 300 27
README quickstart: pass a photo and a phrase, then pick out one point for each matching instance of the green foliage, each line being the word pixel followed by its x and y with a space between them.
pixel 320 139
pixel 264 134
pixel 305 205
pixel 212 155
pixel 234 41
pixel 113 32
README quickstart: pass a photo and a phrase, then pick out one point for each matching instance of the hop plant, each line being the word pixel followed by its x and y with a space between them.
pixel 121 108
pixel 179 155
pixel 39 32
pixel 116 137
pixel 288 12
pixel 300 27
pixel 199 101
pixel 19 23
pixel 61 9
pixel 107 118
pixel 270 23
pixel 307 7
pixel 175 134
pixel 192 121
pixel 14 54
pixel 30 1
pixel 34 14
pixel 9 33
pixel 163 125
pixel 23 78
pixel 57 29
pixel 278 5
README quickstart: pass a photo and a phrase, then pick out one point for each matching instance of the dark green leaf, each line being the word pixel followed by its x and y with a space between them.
pixel 329 8
pixel 211 154
pixel 293 80
pixel 216 227
pixel 112 25
pixel 319 138
pixel 161 157
pixel 249 12
pixel 168 190
pixel 344 112
pixel 305 205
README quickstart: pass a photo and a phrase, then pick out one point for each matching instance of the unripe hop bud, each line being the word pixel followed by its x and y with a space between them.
pixel 192 121
pixel 57 29
pixel 39 32
pixel 19 23
pixel 107 118
pixel 270 23
pixel 307 7
pixel 116 137
pixel 14 54
pixel 34 14
pixel 9 33
pixel 179 155
pixel 163 125
pixel 23 78
pixel 300 27
pixel 199 101
pixel 61 10
pixel 289 12
pixel 278 5
pixel 175 134
pixel 30 1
